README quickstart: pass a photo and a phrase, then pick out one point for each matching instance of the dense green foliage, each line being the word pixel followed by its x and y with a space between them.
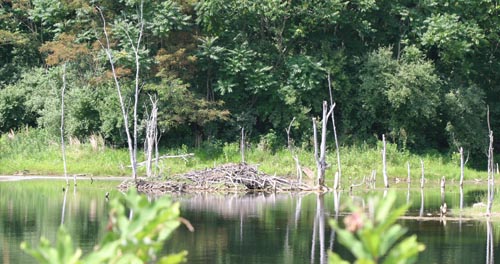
pixel 130 239
pixel 421 72
pixel 375 237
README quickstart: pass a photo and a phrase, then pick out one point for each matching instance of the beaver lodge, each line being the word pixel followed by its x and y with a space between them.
pixel 224 178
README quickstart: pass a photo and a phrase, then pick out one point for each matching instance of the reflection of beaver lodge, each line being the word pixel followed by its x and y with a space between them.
pixel 227 177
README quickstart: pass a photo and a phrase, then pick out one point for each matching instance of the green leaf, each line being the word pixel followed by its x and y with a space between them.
pixel 174 258
pixel 405 252
pixel 334 258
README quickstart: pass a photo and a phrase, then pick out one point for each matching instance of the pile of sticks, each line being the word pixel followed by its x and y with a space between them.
pixel 227 177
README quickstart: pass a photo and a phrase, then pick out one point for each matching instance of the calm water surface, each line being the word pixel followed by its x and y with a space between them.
pixel 234 228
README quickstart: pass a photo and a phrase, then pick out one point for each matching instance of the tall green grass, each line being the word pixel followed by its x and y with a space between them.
pixel 36 152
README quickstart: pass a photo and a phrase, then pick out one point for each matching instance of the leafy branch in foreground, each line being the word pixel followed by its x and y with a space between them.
pixel 138 239
pixel 375 237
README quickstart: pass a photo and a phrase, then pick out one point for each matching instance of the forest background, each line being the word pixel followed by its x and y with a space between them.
pixel 421 72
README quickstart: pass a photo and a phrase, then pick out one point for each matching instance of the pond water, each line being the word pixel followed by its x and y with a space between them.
pixel 236 228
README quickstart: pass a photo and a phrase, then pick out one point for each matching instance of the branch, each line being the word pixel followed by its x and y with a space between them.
pixel 182 156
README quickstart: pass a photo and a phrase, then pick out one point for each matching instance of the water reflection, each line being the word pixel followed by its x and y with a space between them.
pixel 421 212
pixel 489 243
pixel 64 204
pixel 319 229
pixel 242 228
pixel 336 208
pixel 31 209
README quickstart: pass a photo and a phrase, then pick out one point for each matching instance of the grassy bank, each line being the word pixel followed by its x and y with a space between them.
pixel 35 152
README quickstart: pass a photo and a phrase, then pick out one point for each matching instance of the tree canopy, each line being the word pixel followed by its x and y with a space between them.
pixel 422 72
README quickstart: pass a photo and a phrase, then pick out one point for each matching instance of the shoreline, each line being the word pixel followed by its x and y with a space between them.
pixel 58 177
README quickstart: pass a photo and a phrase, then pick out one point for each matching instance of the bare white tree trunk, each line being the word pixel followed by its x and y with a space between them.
pixel 422 180
pixel 288 138
pixel 316 155
pixel 63 145
pixel 384 163
pixel 242 145
pixel 321 156
pixel 443 208
pixel 461 150
pixel 151 137
pixel 461 198
pixel 374 179
pixel 491 169
pixel 136 49
pixel 338 176
pixel 408 180
pixel 131 140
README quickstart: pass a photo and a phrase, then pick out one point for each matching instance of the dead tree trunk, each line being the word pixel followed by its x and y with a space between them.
pixel 338 176
pixel 461 150
pixel 443 207
pixel 63 145
pixel 408 180
pixel 422 180
pixel 461 198
pixel 384 163
pixel 288 138
pixel 491 169
pixel 242 145
pixel 151 135
pixel 321 156
pixel 136 46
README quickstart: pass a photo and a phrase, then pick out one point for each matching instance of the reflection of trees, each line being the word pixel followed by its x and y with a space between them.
pixel 490 249
pixel 229 206
pixel 63 209
pixel 336 204
pixel 31 209
pixel 421 213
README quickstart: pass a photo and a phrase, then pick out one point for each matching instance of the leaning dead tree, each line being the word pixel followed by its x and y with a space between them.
pixel 338 175
pixel 136 47
pixel 320 156
pixel 491 168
